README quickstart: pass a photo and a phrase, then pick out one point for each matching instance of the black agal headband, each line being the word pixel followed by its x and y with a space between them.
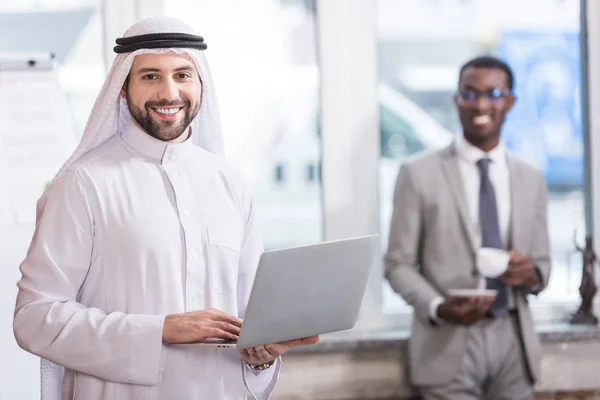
pixel 159 41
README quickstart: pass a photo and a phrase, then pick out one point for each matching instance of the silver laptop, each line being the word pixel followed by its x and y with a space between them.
pixel 305 291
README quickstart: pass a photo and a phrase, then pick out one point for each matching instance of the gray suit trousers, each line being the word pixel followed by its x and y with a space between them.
pixel 493 367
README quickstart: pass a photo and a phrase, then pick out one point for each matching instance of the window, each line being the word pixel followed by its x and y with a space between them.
pixel 418 70
pixel 263 57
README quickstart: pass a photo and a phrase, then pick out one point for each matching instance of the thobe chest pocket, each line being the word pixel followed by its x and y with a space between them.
pixel 222 258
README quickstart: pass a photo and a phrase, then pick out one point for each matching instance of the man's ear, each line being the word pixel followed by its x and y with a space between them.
pixel 512 99
pixel 123 92
pixel 455 98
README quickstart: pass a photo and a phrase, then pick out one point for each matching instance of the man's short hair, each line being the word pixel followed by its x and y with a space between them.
pixel 489 62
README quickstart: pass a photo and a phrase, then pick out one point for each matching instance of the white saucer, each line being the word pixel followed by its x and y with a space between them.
pixel 472 292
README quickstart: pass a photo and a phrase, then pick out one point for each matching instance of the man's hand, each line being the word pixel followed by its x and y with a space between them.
pixel 265 354
pixel 197 326
pixel 464 310
pixel 521 271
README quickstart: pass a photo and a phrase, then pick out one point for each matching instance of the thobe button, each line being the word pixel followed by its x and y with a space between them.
pixel 194 299
pixel 175 173
pixel 186 212
pixel 193 254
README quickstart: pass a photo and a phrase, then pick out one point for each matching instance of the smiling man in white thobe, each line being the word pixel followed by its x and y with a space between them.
pixel 146 238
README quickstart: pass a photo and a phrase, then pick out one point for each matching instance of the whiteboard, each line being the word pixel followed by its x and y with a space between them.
pixel 37 135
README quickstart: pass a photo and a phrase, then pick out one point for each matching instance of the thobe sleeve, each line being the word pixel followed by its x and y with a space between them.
pixel 260 384
pixel 51 323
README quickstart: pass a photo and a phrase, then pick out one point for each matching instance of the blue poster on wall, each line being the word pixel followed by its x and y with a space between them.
pixel 545 125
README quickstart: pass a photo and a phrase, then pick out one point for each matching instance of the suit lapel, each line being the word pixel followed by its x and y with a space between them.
pixel 455 182
pixel 517 203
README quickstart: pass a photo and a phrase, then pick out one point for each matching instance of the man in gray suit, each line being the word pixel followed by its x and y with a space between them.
pixel 448 205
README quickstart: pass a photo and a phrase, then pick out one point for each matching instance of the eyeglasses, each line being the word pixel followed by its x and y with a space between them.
pixel 493 95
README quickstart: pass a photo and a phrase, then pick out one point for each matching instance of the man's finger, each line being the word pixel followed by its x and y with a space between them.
pixel 521 266
pixel 517 273
pixel 272 349
pixel 519 270
pixel 220 334
pixel 518 277
pixel 263 354
pixel 513 281
pixel 478 313
pixel 484 307
pixel 228 327
pixel 479 309
pixel 515 269
pixel 252 353
pixel 310 340
pixel 472 312
pixel 292 343
pixel 459 301
pixel 301 341
pixel 219 315
pixel 515 256
pixel 465 316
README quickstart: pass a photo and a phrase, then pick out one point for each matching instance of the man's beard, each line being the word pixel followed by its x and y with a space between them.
pixel 165 130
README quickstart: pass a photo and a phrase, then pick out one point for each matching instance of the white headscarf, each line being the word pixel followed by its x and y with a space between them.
pixel 110 114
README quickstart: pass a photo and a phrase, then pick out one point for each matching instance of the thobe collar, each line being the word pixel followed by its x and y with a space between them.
pixel 471 154
pixel 152 147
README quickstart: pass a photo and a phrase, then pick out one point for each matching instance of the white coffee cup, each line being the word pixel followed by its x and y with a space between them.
pixel 491 262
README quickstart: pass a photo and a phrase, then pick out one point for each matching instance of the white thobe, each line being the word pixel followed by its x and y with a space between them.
pixel 135 230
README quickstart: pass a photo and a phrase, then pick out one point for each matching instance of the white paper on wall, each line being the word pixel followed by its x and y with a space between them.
pixel 36 137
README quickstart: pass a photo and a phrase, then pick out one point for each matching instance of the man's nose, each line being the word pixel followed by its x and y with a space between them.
pixel 169 90
pixel 482 103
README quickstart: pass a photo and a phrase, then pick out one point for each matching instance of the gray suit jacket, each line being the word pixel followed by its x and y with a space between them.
pixel 431 250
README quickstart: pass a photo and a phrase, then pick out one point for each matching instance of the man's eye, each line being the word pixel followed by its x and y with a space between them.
pixel 468 95
pixel 150 77
pixel 496 93
pixel 183 76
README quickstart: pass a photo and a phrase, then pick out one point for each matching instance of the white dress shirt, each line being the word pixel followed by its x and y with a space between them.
pixel 499 175
pixel 135 230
